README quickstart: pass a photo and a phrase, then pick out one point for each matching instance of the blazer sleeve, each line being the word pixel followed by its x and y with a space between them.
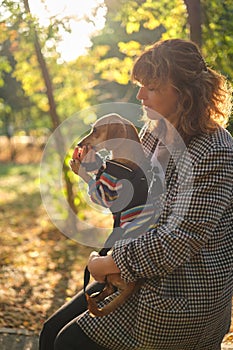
pixel 193 215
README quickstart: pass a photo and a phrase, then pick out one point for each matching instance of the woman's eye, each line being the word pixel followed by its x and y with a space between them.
pixel 151 88
pixel 154 88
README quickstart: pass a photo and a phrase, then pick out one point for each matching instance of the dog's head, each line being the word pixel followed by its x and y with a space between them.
pixel 109 127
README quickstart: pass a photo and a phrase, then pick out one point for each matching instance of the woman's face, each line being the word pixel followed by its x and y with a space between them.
pixel 162 100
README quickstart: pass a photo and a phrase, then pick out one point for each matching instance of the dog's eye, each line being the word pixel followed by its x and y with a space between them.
pixel 94 129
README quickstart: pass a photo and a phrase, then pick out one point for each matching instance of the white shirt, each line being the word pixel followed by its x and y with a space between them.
pixel 160 159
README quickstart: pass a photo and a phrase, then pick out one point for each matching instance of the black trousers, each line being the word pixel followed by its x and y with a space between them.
pixel 61 332
pixel 72 337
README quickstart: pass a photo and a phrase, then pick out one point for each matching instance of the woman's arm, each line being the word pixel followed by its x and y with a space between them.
pixel 100 266
pixel 79 170
pixel 193 215
pixel 76 163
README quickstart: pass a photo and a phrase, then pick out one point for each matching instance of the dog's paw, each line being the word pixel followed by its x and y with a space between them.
pixel 92 166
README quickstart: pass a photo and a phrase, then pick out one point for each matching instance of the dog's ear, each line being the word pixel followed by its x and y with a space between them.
pixel 132 132
pixel 118 129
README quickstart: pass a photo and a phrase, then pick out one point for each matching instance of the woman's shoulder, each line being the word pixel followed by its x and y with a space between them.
pixel 219 139
pixel 220 142
pixel 222 138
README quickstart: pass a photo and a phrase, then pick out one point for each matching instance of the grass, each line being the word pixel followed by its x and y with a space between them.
pixel 40 267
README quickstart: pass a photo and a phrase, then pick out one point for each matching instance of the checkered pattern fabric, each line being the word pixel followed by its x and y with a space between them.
pixel 187 261
pixel 148 140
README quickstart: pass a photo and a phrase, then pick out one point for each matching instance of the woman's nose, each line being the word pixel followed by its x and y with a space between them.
pixel 141 95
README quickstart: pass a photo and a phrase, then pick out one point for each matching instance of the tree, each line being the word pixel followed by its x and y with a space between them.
pixel 105 72
pixel 194 19
pixel 12 95
pixel 45 73
pixel 21 19
pixel 132 25
pixel 217 34
pixel 52 107
pixel 69 95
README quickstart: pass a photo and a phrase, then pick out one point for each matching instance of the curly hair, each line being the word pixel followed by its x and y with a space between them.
pixel 204 95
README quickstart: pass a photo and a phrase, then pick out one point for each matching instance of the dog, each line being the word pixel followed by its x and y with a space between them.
pixel 116 134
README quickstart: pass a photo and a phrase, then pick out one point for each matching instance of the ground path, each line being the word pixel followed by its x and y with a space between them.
pixel 17 339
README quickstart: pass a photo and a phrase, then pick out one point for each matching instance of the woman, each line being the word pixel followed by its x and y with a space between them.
pixel 185 301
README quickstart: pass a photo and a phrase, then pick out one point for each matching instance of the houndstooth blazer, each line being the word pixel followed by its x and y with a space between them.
pixel 186 262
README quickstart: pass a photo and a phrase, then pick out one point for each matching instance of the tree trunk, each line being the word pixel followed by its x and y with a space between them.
pixel 52 110
pixel 194 19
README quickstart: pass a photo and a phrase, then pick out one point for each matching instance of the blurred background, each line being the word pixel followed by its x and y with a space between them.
pixel 57 60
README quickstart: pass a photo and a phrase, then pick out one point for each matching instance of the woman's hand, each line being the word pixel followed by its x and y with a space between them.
pixel 79 170
pixel 85 153
pixel 75 165
pixel 93 265
pixel 88 154
pixel 101 266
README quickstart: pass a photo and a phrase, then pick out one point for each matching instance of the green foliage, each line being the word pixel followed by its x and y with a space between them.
pixel 20 72
pixel 103 74
pixel 132 25
pixel 152 14
pixel 4 68
pixel 217 34
pixel 217 38
pixel 73 85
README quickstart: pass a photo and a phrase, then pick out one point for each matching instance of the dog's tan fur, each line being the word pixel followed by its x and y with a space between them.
pixel 116 134
pixel 113 133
